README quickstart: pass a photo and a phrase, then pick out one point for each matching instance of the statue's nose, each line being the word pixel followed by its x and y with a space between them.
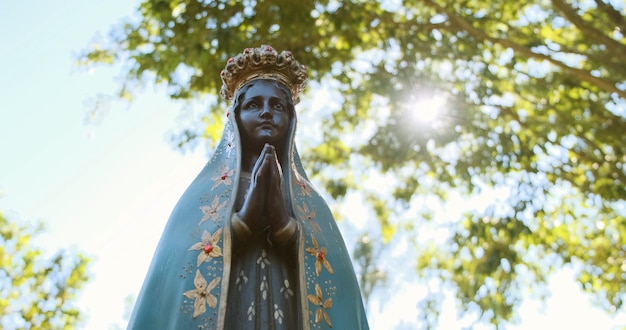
pixel 265 111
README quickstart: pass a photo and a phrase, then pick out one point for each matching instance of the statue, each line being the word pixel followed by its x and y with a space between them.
pixel 251 244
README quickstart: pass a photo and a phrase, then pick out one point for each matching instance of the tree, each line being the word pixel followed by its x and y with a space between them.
pixel 534 116
pixel 36 292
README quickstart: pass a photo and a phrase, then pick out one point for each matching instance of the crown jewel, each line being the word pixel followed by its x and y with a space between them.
pixel 263 63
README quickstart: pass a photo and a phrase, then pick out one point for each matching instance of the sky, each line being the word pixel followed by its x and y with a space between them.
pixel 107 190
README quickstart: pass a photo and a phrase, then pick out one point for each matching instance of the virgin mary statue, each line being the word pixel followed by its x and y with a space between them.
pixel 251 244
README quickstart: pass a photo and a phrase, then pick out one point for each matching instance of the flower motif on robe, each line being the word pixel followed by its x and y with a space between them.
pixel 318 300
pixel 308 215
pixel 304 187
pixel 210 212
pixel 224 177
pixel 202 294
pixel 208 246
pixel 320 257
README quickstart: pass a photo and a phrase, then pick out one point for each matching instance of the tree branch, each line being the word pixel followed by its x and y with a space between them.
pixel 611 63
pixel 613 14
pixel 587 29
pixel 583 75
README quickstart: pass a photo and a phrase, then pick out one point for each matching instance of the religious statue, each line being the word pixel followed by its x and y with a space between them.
pixel 251 244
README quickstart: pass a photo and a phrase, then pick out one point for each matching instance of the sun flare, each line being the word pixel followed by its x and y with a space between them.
pixel 426 109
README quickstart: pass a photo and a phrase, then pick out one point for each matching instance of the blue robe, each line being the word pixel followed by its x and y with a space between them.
pixel 202 278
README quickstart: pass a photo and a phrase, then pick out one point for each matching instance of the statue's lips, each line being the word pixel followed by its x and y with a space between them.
pixel 266 126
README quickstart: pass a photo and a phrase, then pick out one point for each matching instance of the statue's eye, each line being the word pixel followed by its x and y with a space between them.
pixel 279 106
pixel 250 105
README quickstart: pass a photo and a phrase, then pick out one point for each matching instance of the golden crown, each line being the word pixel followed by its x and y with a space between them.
pixel 263 63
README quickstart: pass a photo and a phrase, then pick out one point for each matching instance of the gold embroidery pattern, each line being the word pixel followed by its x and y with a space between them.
pixel 323 305
pixel 208 246
pixel 202 294
pixel 304 187
pixel 320 257
pixel 308 215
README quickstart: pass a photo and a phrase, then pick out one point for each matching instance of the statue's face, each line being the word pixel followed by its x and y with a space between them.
pixel 263 114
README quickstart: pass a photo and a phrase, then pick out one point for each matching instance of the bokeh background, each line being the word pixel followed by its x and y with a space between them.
pixel 103 174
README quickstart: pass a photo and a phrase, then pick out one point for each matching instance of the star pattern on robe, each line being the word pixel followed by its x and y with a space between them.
pixel 202 294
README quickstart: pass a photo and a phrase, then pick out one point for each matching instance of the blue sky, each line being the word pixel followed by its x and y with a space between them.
pixel 108 189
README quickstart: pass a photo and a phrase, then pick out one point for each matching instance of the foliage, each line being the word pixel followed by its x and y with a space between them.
pixel 35 292
pixel 534 119
pixel 365 254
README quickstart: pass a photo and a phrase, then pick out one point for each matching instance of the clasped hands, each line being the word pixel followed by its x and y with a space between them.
pixel 264 205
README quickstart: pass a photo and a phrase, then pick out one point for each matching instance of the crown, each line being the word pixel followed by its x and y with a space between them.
pixel 263 63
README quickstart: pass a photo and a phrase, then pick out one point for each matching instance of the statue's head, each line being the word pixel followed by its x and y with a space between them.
pixel 264 86
pixel 264 111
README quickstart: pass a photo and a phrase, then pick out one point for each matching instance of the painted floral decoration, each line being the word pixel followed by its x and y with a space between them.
pixel 208 246
pixel 320 257
pixel 308 215
pixel 211 212
pixel 202 294
pixel 224 177
pixel 323 305
pixel 304 187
